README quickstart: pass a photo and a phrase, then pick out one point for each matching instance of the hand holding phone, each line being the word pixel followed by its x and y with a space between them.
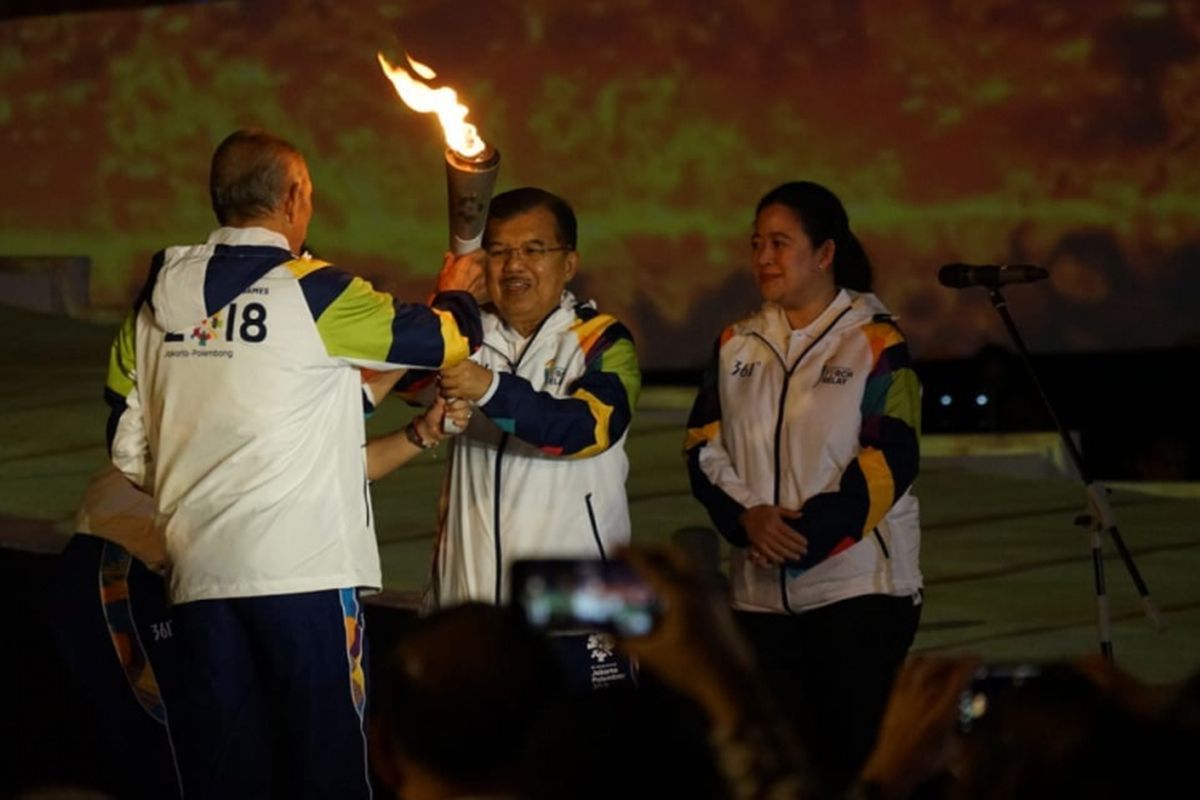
pixel 991 681
pixel 916 738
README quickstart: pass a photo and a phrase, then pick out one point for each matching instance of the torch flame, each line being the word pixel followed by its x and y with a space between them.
pixel 424 70
pixel 461 136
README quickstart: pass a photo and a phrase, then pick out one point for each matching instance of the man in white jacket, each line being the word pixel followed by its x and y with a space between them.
pixel 541 472
pixel 237 403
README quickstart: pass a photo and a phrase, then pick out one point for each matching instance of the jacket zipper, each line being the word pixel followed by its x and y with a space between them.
pixel 882 546
pixel 595 528
pixel 788 372
pixel 496 515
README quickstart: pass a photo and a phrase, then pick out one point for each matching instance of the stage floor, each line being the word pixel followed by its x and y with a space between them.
pixel 1008 573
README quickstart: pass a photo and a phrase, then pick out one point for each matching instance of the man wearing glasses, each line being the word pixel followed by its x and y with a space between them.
pixel 541 472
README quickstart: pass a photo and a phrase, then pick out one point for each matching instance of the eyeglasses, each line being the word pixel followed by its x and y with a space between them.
pixel 530 253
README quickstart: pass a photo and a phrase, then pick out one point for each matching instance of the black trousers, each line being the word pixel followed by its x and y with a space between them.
pixel 115 635
pixel 275 697
pixel 831 669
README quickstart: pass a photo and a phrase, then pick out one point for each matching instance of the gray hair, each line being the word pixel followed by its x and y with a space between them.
pixel 250 174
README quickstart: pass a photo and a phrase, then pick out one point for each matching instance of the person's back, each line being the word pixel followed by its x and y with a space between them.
pixel 246 419
pixel 237 402
pixel 257 431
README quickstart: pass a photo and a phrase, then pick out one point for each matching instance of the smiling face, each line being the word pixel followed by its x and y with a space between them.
pixel 789 270
pixel 523 285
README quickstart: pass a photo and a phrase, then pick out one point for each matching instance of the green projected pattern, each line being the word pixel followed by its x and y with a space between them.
pixel 999 131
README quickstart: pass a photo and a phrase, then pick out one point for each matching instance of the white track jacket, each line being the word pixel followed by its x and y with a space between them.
pixel 236 403
pixel 823 420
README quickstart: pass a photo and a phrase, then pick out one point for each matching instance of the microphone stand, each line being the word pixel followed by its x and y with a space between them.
pixel 1099 517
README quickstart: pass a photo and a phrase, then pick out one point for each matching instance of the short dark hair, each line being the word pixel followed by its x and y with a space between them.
pixel 823 218
pixel 507 205
pixel 249 175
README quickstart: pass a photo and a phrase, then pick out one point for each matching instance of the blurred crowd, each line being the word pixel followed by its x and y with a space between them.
pixel 476 705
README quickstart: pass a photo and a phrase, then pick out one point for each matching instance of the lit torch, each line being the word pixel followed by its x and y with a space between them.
pixel 471 163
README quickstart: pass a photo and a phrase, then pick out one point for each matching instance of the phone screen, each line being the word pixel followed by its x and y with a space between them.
pixel 575 595
pixel 991 681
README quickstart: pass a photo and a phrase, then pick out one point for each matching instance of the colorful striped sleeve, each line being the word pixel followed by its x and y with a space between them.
pixel 121 380
pixel 886 464
pixel 598 406
pixel 703 431
pixel 372 329
pixel 122 375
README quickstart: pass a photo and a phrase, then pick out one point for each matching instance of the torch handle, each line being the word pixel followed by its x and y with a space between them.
pixel 460 247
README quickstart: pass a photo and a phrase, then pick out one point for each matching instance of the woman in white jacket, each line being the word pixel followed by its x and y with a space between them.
pixel 802 446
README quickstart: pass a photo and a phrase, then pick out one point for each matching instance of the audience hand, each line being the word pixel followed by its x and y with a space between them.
pixel 1126 690
pixel 918 731
pixel 696 646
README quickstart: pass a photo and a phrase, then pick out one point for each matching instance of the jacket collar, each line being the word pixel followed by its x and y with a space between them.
pixel 197 281
pixel 243 236
pixel 505 338
pixel 772 324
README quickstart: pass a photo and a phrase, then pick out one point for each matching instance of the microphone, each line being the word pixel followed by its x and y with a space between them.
pixel 960 276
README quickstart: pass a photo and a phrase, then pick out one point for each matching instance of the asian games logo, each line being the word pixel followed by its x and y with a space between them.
pixel 207 329
pixel 600 646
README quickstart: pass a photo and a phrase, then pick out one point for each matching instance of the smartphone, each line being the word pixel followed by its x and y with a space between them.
pixel 991 682
pixel 585 594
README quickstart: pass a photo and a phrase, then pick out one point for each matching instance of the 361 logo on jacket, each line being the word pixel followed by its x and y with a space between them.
pixel 552 374
pixel 744 369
